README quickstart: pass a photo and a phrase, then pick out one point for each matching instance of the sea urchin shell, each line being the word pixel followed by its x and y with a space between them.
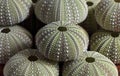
pixel 62 41
pixel 66 10
pixel 90 63
pixel 30 62
pixel 14 11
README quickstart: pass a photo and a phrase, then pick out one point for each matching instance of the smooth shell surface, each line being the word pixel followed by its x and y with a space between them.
pixel 66 10
pixel 62 41
pixel 30 62
pixel 90 64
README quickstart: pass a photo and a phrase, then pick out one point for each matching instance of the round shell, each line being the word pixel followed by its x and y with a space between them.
pixel 12 40
pixel 107 43
pixel 14 11
pixel 107 14
pixel 30 63
pixel 90 23
pixel 90 64
pixel 67 10
pixel 62 41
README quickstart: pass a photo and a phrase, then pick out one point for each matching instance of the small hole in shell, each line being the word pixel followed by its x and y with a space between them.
pixel 117 1
pixel 34 1
pixel 62 29
pixel 90 59
pixel 5 30
pixel 32 58
pixel 89 3
pixel 114 34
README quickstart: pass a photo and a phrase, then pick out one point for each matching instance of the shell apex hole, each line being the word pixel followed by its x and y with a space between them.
pixel 34 1
pixel 32 58
pixel 5 30
pixel 90 59
pixel 114 34
pixel 62 29
pixel 89 3
pixel 118 1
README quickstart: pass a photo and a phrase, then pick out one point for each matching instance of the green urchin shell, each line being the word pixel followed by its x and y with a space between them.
pixel 14 11
pixel 12 40
pixel 62 41
pixel 107 43
pixel 90 23
pixel 30 62
pixel 66 10
pixel 107 14
pixel 90 64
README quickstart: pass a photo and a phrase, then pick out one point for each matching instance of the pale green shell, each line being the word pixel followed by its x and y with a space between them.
pixel 62 45
pixel 20 65
pixel 12 40
pixel 107 43
pixel 14 11
pixel 66 10
pixel 107 14
pixel 90 23
pixel 90 64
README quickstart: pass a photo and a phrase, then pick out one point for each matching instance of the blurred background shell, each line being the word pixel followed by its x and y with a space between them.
pixel 12 40
pixel 14 11
pixel 62 41
pixel 90 63
pixel 55 10
pixel 30 62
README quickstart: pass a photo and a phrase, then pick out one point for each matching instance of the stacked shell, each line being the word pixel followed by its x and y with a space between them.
pixel 62 41
pixel 108 15
pixel 30 62
pixel 16 38
pixel 12 40
pixel 107 43
pixel 90 64
pixel 61 10
pixel 14 11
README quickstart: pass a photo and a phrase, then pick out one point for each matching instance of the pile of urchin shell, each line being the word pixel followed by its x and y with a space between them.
pixel 83 35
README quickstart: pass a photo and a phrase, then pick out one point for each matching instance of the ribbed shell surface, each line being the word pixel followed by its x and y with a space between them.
pixel 14 11
pixel 62 45
pixel 10 43
pixel 66 10
pixel 19 65
pixel 101 67
pixel 107 14
pixel 105 43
